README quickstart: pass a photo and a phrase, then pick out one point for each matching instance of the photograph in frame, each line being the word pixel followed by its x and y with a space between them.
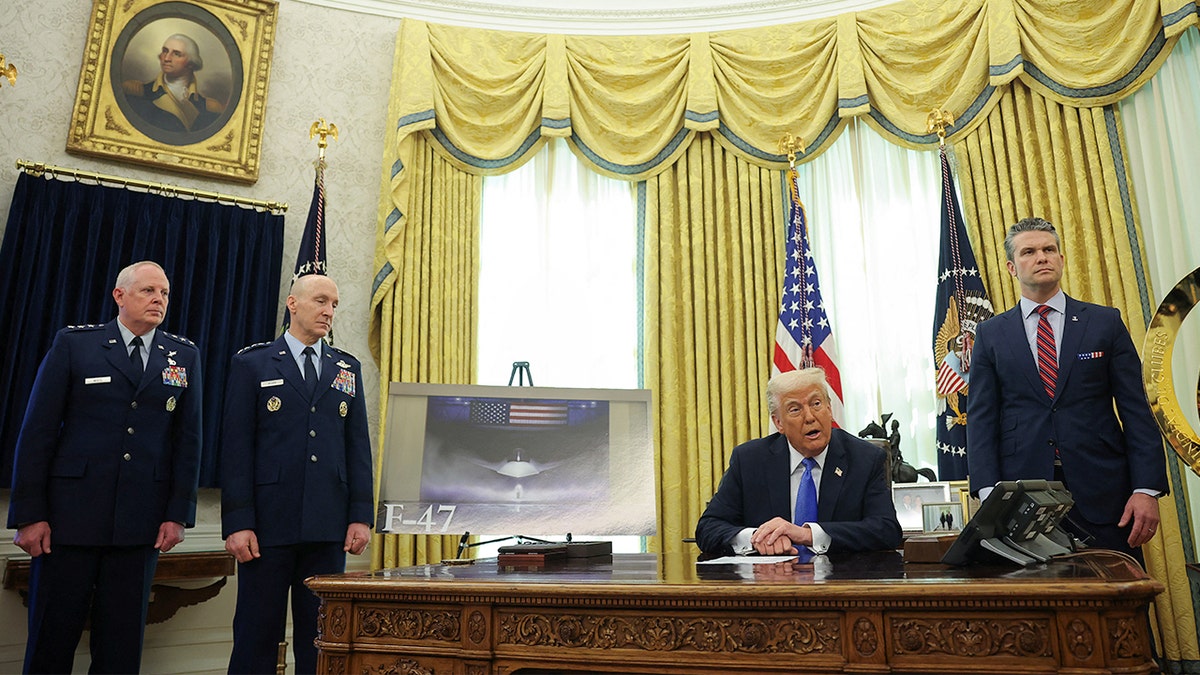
pixel 909 499
pixel 176 85
pixel 960 490
pixel 942 516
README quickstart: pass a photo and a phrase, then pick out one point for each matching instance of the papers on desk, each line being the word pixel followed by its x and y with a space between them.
pixel 748 560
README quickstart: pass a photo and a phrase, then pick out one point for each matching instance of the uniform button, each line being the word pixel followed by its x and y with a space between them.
pixel 313 409
pixel 129 431
pixel 312 433
pixel 133 404
pixel 127 457
pixel 1050 442
pixel 312 458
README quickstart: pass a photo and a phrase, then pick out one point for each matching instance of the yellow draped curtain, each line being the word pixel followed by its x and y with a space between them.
pixel 714 264
pixel 698 118
pixel 429 334
pixel 1033 155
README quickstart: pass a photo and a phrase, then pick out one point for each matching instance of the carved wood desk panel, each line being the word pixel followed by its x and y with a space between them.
pixel 666 614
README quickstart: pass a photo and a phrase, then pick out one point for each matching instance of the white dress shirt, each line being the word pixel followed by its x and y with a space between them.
pixel 821 540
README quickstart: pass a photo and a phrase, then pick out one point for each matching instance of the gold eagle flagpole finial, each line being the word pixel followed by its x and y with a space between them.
pixel 8 71
pixel 325 131
pixel 937 122
pixel 790 145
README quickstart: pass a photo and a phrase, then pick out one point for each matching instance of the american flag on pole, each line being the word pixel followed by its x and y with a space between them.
pixel 310 259
pixel 803 336
pixel 962 303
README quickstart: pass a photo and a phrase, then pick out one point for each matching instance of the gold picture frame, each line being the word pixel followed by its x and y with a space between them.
pixel 178 85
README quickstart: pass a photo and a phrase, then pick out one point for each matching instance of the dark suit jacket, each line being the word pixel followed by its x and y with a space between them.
pixel 106 457
pixel 292 469
pixel 854 508
pixel 141 96
pixel 1013 427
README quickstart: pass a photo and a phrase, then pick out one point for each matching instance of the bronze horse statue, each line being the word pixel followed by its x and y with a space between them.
pixel 902 471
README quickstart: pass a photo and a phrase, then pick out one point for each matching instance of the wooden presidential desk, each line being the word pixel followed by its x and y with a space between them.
pixel 665 614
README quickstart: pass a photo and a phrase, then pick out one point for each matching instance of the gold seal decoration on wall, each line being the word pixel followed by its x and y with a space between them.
pixel 1156 369
pixel 273 403
pixel 343 409
pixel 171 404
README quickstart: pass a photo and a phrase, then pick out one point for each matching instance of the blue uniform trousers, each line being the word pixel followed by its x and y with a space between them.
pixel 263 588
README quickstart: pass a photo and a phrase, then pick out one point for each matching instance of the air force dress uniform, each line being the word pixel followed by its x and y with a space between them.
pixel 106 455
pixel 295 469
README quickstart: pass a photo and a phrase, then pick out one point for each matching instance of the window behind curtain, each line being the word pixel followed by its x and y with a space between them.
pixel 558 284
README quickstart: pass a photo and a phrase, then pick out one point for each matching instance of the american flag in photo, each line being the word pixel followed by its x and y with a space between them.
pixel 537 414
pixel 518 414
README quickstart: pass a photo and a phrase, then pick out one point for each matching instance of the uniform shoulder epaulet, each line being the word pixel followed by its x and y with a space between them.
pixel 179 338
pixel 257 345
pixel 85 326
pixel 343 352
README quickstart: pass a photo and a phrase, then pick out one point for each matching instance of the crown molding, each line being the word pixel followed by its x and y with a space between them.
pixel 606 17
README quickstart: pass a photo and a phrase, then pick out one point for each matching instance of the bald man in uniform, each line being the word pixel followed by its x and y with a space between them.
pixel 296 481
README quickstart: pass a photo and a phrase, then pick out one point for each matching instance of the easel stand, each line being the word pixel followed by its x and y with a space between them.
pixel 520 371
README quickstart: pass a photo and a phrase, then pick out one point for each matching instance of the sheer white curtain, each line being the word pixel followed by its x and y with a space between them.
pixel 1162 130
pixel 558 284
pixel 874 221
pixel 558 275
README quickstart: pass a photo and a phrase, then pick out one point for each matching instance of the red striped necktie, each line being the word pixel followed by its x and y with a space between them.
pixel 1047 356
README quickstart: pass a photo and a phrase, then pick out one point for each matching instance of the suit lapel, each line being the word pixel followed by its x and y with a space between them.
pixel 1075 323
pixel 779 478
pixel 287 367
pixel 329 370
pixel 831 480
pixel 117 353
pixel 1017 342
pixel 155 363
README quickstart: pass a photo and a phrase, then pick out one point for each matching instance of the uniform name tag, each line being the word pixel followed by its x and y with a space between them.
pixel 98 380
pixel 270 383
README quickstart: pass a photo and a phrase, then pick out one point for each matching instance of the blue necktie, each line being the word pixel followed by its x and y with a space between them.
pixel 310 370
pixel 806 494
pixel 135 354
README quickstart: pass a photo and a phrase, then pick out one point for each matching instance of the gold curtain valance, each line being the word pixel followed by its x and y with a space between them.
pixel 630 104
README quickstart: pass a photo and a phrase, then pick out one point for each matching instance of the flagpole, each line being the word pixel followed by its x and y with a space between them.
pixel 936 122
pixel 803 335
pixel 790 144
pixel 961 305
pixel 8 72
pixel 311 257
pixel 320 128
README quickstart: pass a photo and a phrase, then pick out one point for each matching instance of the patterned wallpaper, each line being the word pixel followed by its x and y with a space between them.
pixel 327 63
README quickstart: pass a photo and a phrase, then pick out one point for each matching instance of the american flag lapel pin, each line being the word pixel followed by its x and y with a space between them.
pixel 838 472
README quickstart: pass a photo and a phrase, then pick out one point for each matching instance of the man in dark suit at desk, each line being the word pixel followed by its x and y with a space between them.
pixel 105 476
pixel 768 499
pixel 1044 379
pixel 296 480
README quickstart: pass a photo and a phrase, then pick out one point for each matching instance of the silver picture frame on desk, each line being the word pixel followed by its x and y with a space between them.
pixel 909 499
